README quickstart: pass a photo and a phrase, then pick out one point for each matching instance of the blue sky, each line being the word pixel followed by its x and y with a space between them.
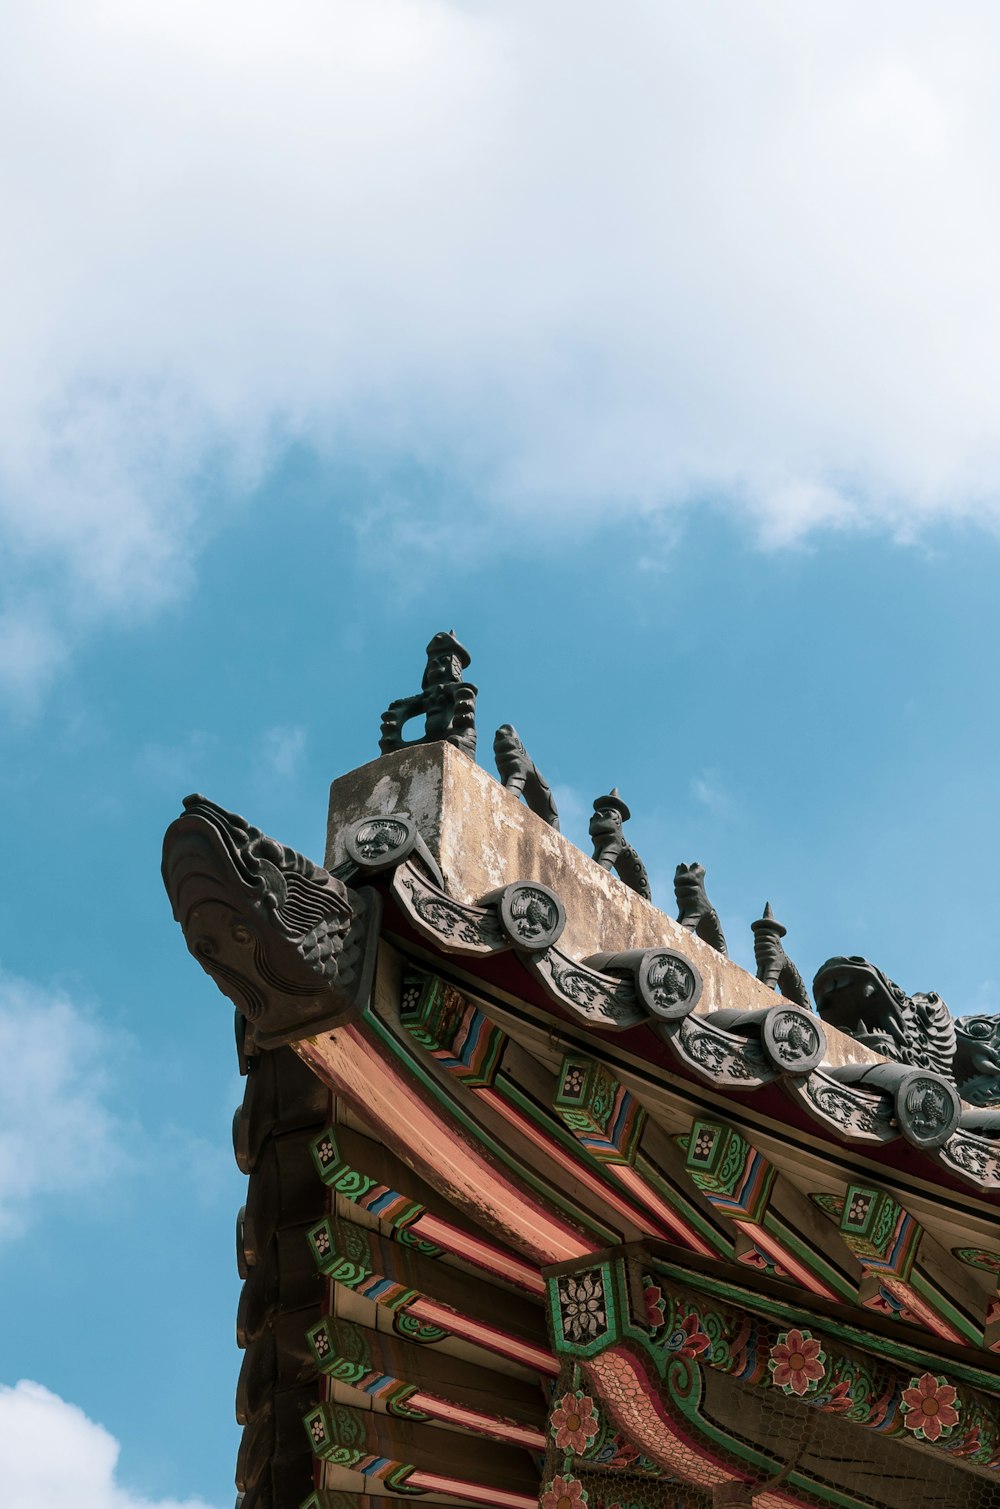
pixel 653 351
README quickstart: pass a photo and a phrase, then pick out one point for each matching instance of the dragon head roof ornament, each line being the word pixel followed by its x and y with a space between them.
pixel 281 937
pixel 860 1000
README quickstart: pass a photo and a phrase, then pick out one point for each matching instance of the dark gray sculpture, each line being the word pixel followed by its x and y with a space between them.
pixel 860 1000
pixel 694 910
pixel 382 842
pixel 519 773
pixel 285 940
pixel 924 1104
pixel 446 702
pixel 774 966
pixel 612 850
pixel 977 1059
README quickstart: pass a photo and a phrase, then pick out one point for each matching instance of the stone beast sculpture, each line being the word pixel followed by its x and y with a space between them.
pixel 519 773
pixel 859 999
pixel 612 850
pixel 977 1059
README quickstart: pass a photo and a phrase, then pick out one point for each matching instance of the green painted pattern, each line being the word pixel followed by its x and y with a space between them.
pixel 606 1236
pixel 939 1301
pixel 885 1238
pixel 689 1402
pixel 978 1257
pixel 789 1312
pixel 341 1352
pixel 558 1133
pixel 680 1381
pixel 678 1330
pixel 739 1181
pixel 735 1177
pixel 414 1329
pixel 437 1016
pixel 337 1435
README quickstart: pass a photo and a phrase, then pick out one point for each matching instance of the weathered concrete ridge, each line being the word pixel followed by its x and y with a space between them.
pixel 484 838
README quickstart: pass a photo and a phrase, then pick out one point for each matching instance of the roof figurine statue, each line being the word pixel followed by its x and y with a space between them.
pixel 612 850
pixel 694 910
pixel 860 1000
pixel 447 703
pixel 519 773
pixel 774 966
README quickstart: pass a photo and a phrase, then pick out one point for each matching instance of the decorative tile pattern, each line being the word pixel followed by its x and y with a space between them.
pixel 797 1362
pixel 599 1110
pixel 583 1308
pixel 736 1178
pixel 452 1029
pixel 929 1407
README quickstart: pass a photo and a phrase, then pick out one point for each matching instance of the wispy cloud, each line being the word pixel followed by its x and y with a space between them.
pixel 709 789
pixel 733 259
pixel 32 650
pixel 280 751
pixel 57 1131
pixel 52 1453
pixel 63 1128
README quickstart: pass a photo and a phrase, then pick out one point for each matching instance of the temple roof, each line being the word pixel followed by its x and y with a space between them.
pixel 517 1138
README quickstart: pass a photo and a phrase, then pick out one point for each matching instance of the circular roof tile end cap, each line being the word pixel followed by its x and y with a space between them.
pixel 380 842
pixel 531 915
pixel 928 1108
pixel 669 985
pixel 793 1040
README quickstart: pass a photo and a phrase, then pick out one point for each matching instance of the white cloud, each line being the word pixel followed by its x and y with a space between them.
pixel 63 1125
pixel 709 789
pixel 281 750
pixel 31 650
pixel 51 1453
pixel 595 257
pixel 57 1134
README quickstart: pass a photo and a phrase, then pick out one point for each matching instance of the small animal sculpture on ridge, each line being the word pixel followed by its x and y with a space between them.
pixel 612 850
pixel 519 773
pixel 774 966
pixel 694 910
